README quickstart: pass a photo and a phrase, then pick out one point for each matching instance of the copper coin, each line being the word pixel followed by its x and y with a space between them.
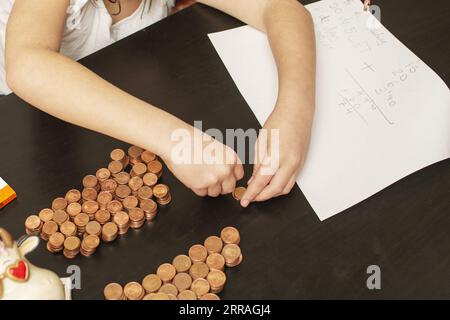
pixel 93 227
pixel 56 240
pixel 115 167
pixel 46 214
pixel 33 222
pixel 134 291
pixel 68 228
pixel 213 244
pixel 130 202
pixel 168 289
pixel 210 296
pixel 102 174
pixel 215 261
pixel 136 214
pixel 49 228
pixel 187 295
pixel 230 235
pixel 145 192
pixel 135 151
pixel 148 205
pixel 115 206
pixel 122 178
pixel 73 195
pixel 216 278
pixel 90 181
pixel 73 209
pixel 238 193
pixel 150 179
pixel 81 220
pixel 159 296
pixel 182 281
pixel 155 167
pixel 102 216
pixel 148 156
pixel 121 218
pixel 109 185
pixel 123 191
pixel 231 253
pixel 59 204
pixel 198 270
pixel 160 190
pixel 72 243
pixel 198 253
pixel 89 194
pixel 60 216
pixel 113 291
pixel 200 287
pixel 151 283
pixel 139 169
pixel 90 207
pixel 166 272
pixel 117 155
pixel 104 198
pixel 91 241
pixel 135 183
pixel 182 263
pixel 110 229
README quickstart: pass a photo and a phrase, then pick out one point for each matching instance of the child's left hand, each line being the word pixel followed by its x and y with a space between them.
pixel 276 168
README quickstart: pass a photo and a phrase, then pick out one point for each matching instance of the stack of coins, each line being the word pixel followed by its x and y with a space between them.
pixel 121 195
pixel 33 225
pixel 71 247
pixel 137 218
pixel 162 194
pixel 109 232
pixel 114 291
pixel 56 242
pixel 197 276
pixel 122 220
pixel 89 244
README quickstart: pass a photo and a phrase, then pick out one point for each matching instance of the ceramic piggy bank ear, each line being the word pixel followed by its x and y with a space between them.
pixel 6 238
pixel 28 244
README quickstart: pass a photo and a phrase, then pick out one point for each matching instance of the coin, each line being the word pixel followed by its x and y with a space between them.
pixel 135 152
pixel 168 289
pixel 104 198
pixel 215 261
pixel 73 195
pixel 150 179
pixel 72 243
pixel 210 296
pixel 198 253
pixel 187 295
pixel 56 242
pixel 151 283
pixel 60 216
pixel 117 155
pixel 89 194
pixel 113 291
pixel 200 287
pixel 90 207
pixel 73 209
pixel 33 223
pixel 145 192
pixel 115 205
pixel 238 193
pixel 102 174
pixel 115 167
pixel 148 156
pixel 68 229
pixel 109 231
pixel 59 204
pixel 49 228
pixel 90 181
pixel 198 270
pixel 135 183
pixel 160 190
pixel 213 244
pixel 182 281
pixel 166 272
pixel 108 185
pixel 46 214
pixel 122 178
pixel 93 228
pixel 159 296
pixel 231 253
pixel 130 202
pixel 102 216
pixel 182 263
pixel 230 235
pixel 139 169
pixel 216 279
pixel 134 291
pixel 91 242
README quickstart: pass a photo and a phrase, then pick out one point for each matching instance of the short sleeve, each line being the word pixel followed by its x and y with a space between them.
pixel 74 12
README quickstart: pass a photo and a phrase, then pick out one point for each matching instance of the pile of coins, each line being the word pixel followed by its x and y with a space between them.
pixel 124 195
pixel 197 276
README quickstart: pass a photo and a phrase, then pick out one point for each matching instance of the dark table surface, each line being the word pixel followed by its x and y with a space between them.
pixel 288 252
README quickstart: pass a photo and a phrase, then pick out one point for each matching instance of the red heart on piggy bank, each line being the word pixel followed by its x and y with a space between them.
pixel 19 272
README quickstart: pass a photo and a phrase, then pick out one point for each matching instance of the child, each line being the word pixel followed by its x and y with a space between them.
pixel 42 39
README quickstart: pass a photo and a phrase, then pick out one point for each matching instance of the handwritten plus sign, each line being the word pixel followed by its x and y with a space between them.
pixel 368 66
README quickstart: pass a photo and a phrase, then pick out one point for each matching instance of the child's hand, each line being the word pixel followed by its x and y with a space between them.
pixel 215 174
pixel 281 155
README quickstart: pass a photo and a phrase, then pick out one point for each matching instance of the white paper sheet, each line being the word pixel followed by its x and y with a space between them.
pixel 381 112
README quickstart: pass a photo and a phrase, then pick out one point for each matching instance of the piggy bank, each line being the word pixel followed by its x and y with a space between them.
pixel 19 279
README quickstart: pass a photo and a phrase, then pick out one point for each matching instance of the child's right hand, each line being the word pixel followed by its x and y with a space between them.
pixel 215 175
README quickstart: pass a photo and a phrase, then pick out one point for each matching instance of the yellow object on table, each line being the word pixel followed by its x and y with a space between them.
pixel 7 194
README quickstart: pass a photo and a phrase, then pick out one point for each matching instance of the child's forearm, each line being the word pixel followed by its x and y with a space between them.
pixel 291 34
pixel 67 90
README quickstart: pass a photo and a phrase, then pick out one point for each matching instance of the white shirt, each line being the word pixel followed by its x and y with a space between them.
pixel 89 27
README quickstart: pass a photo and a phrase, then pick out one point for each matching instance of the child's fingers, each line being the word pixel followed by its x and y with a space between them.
pixel 276 186
pixel 214 191
pixel 255 187
pixel 238 170
pixel 290 184
pixel 228 185
pixel 201 192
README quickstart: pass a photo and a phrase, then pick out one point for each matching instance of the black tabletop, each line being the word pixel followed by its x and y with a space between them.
pixel 288 252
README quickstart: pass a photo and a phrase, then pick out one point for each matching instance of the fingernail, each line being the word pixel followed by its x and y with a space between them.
pixel 245 203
